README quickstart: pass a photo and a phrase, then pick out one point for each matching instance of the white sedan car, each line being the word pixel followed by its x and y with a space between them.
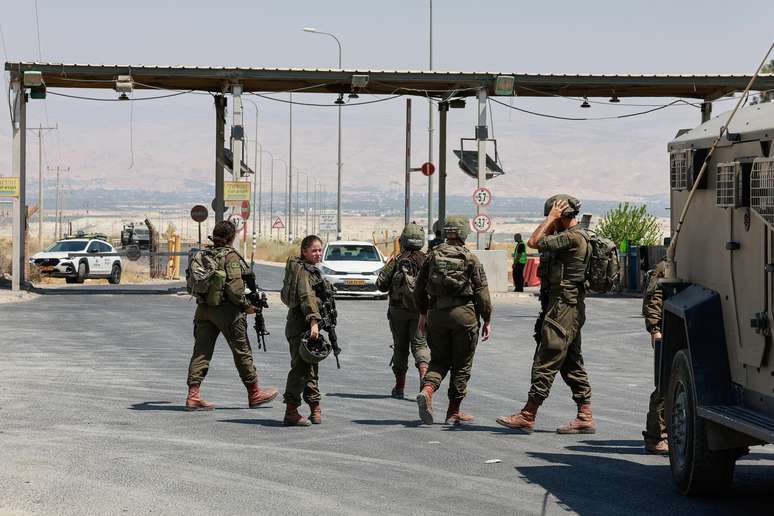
pixel 98 260
pixel 352 267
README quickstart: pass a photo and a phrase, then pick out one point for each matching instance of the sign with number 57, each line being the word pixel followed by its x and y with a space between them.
pixel 481 223
pixel 482 196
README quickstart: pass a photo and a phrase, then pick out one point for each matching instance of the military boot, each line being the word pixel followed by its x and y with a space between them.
pixel 257 397
pixel 454 416
pixel 658 447
pixel 316 416
pixel 400 385
pixel 194 400
pixel 422 371
pixel 582 424
pixel 425 403
pixel 293 418
pixel 523 420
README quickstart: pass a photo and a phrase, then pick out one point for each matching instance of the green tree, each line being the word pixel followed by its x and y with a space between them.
pixel 630 222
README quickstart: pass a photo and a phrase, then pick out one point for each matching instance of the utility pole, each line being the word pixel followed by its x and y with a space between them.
pixel 306 207
pixel 430 138
pixel 40 130
pixel 289 214
pixel 58 210
pixel 482 134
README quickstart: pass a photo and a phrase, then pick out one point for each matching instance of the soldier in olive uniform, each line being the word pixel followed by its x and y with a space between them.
pixel 451 294
pixel 655 433
pixel 564 253
pixel 398 277
pixel 229 319
pixel 300 292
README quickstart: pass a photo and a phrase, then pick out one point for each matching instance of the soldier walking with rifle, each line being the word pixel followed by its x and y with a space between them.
pixel 215 277
pixel 311 309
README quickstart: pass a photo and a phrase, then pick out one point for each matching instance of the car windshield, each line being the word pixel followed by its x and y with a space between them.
pixel 67 246
pixel 355 253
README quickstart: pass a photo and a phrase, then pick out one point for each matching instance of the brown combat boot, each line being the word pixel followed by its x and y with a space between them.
pixel 425 403
pixel 422 371
pixel 582 424
pixel 257 397
pixel 194 400
pixel 316 416
pixel 523 420
pixel 454 416
pixel 400 385
pixel 657 448
pixel 293 418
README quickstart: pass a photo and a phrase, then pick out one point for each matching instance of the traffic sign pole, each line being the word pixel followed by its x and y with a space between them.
pixel 481 136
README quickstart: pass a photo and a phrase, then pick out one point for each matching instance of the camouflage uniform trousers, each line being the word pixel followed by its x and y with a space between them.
pixel 655 426
pixel 403 325
pixel 209 322
pixel 559 351
pixel 452 334
pixel 302 377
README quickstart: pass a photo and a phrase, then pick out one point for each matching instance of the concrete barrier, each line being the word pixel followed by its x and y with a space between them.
pixel 496 266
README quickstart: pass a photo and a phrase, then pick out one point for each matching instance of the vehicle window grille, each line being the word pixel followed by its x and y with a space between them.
pixel 762 188
pixel 728 185
pixel 679 164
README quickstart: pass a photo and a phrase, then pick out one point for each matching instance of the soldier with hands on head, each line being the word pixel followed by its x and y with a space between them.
pixel 564 253
pixel 398 278
pixel 303 292
pixel 655 433
pixel 452 296
pixel 214 275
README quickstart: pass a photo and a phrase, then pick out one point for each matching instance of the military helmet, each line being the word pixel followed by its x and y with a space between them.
pixel 572 210
pixel 314 351
pixel 412 237
pixel 457 224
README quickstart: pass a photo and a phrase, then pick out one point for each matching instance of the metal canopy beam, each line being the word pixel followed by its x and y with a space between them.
pixel 383 82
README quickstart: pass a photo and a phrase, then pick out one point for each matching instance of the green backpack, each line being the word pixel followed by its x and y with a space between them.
pixel 404 280
pixel 603 266
pixel 449 271
pixel 205 276
pixel 289 292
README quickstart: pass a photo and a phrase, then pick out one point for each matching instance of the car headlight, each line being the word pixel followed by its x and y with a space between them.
pixel 326 270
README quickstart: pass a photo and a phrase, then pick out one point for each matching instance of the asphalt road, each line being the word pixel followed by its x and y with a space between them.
pixel 92 422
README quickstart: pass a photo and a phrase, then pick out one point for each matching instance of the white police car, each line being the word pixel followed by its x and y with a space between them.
pixel 96 261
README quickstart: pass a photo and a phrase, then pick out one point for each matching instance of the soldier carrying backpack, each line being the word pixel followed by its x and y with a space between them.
pixel 453 299
pixel 398 278
pixel 571 261
pixel 214 277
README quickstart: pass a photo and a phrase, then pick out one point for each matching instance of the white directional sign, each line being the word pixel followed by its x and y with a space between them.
pixel 481 223
pixel 482 197
pixel 237 221
pixel 327 222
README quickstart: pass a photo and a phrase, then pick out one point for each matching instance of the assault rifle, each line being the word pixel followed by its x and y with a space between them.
pixel 328 323
pixel 259 302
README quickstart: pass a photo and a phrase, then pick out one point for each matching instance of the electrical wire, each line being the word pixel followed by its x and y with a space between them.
pixel 79 97
pixel 578 99
pixel 322 105
pixel 577 119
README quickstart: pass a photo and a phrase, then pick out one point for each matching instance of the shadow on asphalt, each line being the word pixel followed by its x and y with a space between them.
pixel 259 422
pixel 590 484
pixel 623 447
pixel 355 396
pixel 169 407
pixel 388 422
pixel 468 427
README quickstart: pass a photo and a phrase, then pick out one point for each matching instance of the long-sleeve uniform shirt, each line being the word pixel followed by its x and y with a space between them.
pixel 653 300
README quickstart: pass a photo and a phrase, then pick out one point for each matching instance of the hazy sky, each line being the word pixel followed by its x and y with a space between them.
pixel 170 142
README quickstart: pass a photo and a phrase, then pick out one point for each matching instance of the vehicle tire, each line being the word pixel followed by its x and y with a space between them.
pixel 696 470
pixel 70 279
pixel 115 275
pixel 82 272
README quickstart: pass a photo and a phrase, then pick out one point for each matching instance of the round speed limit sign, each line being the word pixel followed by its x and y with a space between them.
pixel 237 221
pixel 482 197
pixel 481 223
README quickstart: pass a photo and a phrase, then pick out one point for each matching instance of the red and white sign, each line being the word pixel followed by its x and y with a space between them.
pixel 245 210
pixel 427 169
pixel 278 224
pixel 237 221
pixel 481 223
pixel 482 197
pixel 199 213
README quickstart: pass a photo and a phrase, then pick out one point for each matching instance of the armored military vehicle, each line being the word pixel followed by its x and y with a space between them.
pixel 715 365
pixel 135 234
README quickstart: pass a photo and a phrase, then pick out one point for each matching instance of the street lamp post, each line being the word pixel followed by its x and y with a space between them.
pixel 338 187
pixel 286 194
pixel 256 209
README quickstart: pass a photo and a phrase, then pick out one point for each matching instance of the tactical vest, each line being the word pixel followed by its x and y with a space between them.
pixel 567 266
pixel 403 282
